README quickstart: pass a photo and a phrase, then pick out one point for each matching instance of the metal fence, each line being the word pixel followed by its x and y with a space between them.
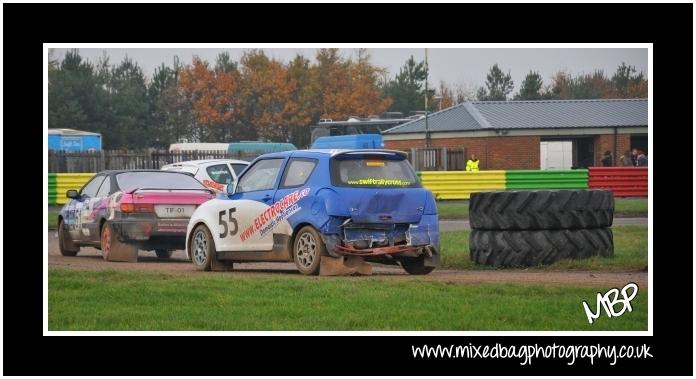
pixel 76 162
pixel 437 159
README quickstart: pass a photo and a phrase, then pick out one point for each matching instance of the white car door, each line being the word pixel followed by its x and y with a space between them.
pixel 246 221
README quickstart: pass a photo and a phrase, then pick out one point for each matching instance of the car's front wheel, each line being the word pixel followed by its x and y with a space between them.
pixel 65 244
pixel 308 248
pixel 202 251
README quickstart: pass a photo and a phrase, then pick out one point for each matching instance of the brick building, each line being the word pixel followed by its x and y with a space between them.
pixel 531 134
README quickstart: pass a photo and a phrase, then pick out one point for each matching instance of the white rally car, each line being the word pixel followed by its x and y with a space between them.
pixel 215 174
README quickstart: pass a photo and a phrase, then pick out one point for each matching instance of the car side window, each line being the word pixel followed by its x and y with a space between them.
pixel 105 188
pixel 238 168
pixel 298 171
pixel 261 176
pixel 90 189
pixel 220 173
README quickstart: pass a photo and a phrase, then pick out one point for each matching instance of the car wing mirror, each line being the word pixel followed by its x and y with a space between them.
pixel 72 194
pixel 231 188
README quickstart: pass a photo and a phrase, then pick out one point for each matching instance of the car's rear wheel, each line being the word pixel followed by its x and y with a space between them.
pixel 113 249
pixel 308 248
pixel 164 253
pixel 65 244
pixel 416 266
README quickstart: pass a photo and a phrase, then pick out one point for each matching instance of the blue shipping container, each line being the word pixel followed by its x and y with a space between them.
pixel 73 140
pixel 354 141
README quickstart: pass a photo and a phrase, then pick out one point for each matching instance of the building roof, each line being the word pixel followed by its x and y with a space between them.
pixel 73 132
pixel 541 114
pixel 367 122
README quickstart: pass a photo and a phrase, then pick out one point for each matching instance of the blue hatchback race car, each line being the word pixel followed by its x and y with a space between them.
pixel 329 211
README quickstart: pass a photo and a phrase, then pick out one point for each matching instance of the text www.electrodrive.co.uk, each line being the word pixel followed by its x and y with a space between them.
pixel 526 353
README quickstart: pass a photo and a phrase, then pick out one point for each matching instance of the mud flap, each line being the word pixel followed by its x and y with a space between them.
pixel 344 266
pixel 431 261
pixel 122 252
pixel 218 265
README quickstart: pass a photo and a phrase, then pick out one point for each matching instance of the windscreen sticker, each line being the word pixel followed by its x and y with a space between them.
pixel 276 213
pixel 379 182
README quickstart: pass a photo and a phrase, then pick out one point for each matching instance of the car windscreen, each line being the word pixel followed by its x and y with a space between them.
pixel 154 179
pixel 373 171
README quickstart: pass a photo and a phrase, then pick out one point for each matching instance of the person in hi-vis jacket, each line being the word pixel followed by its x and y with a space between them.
pixel 472 164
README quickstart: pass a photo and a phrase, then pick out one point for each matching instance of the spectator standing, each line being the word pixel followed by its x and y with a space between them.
pixel 472 164
pixel 642 160
pixel 626 159
pixel 634 157
pixel 607 159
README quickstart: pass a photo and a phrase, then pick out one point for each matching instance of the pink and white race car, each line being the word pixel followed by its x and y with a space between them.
pixel 122 211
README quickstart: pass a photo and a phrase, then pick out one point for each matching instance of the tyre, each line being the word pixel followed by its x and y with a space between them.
pixel 526 210
pixel 202 248
pixel 510 248
pixel 65 244
pixel 416 266
pixel 308 248
pixel 113 249
pixel 164 253
pixel 202 251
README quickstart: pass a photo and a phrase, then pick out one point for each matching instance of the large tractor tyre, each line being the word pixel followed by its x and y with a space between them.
pixel 308 250
pixel 523 248
pixel 203 253
pixel 65 244
pixel 113 249
pixel 533 210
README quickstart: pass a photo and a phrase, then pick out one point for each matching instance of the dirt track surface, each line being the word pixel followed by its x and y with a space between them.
pixel 91 259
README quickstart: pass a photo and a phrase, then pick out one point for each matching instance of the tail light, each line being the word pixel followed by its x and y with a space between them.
pixel 139 208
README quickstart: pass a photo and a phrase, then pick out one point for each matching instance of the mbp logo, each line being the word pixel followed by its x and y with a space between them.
pixel 610 300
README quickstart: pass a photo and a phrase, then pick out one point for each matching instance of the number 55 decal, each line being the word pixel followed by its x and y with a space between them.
pixel 230 220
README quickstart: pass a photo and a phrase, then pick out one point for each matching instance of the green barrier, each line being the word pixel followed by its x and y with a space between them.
pixel 448 185
pixel 52 186
pixel 58 184
pixel 547 179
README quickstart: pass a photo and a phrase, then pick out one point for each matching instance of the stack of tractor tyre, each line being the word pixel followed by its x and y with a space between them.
pixel 531 228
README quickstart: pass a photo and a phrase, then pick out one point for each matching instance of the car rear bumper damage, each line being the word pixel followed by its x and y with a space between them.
pixel 384 242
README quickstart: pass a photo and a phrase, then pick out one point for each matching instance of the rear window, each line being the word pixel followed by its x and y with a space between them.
pixel 155 179
pixel 220 173
pixel 377 172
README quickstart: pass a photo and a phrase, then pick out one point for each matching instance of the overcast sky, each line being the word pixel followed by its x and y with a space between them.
pixel 466 66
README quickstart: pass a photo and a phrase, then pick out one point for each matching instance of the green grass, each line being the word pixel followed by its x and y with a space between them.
pixel 631 207
pixel 130 300
pixel 630 252
pixel 459 209
pixel 53 218
pixel 453 210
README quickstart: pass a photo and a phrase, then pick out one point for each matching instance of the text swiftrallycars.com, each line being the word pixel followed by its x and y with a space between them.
pixel 527 353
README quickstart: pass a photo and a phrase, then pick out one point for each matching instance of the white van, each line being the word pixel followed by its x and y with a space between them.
pixel 213 173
